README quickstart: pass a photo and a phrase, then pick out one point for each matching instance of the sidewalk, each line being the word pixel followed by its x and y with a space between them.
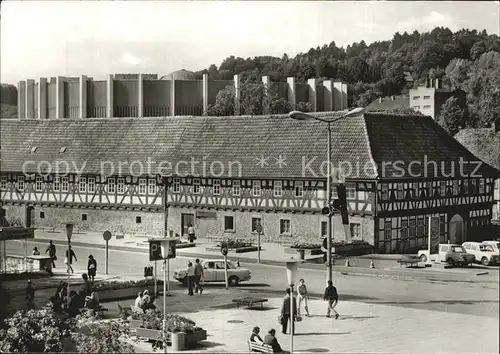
pixel 361 328
pixel 274 254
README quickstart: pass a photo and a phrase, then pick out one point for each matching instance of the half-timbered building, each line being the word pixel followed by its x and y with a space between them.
pixel 226 175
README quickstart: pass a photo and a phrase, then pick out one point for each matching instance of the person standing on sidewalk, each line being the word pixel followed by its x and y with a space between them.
pixel 198 275
pixel 332 297
pixel 285 312
pixel 190 276
pixel 36 252
pixel 302 296
pixel 52 253
pixel 69 259
pixel 30 296
pixel 191 235
pixel 92 268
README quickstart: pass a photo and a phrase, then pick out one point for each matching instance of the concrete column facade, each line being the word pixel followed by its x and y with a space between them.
pixel 337 96
pixel 205 92
pixel 82 90
pixel 313 99
pixel 292 98
pixel 328 93
pixel 21 99
pixel 344 96
pixel 140 98
pixel 110 96
pixel 237 88
pixel 172 96
pixel 30 99
pixel 59 97
pixel 42 98
pixel 266 80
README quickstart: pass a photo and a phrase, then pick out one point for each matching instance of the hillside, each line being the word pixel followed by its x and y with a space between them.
pixel 483 143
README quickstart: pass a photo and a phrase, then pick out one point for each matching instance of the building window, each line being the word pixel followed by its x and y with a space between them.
pixel 285 227
pixel 481 185
pixel 426 106
pixel 278 189
pixel 335 192
pixel 416 97
pixel 138 220
pixel 255 222
pixel 216 189
pixel 388 230
pixel 228 223
pixel 350 190
pixel 385 191
pixel 400 193
pixel 416 107
pixel 196 186
pixel 176 186
pixel 430 190
pixel 3 183
pixel 466 186
pixel 256 185
pixel 455 187
pixel 412 228
pixel 57 184
pixel 420 227
pixel 427 97
pixel 324 228
pixel 20 183
pixel 415 190
pixel 82 184
pixel 91 181
pixel 38 183
pixel 442 188
pixel 152 186
pixel 142 186
pixel 404 229
pixel 355 230
pixel 65 184
pixel 120 185
pixel 236 187
pixel 299 189
pixel 84 217
pixel 442 225
pixel 42 215
pixel 111 185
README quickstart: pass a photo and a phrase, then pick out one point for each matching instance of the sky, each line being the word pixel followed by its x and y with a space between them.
pixel 94 38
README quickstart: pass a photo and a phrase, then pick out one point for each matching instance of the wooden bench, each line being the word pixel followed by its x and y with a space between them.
pixel 249 301
pixel 409 261
pixel 257 347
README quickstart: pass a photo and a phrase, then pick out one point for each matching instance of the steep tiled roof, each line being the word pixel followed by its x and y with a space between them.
pixel 388 103
pixel 251 145
pixel 483 143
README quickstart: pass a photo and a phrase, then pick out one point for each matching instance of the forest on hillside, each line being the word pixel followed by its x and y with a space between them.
pixel 466 59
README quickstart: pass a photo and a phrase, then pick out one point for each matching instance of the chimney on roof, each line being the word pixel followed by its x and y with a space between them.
pixel 392 98
pixel 437 86
pixel 380 100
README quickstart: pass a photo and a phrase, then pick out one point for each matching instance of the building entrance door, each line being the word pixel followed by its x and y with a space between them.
pixel 457 229
pixel 186 220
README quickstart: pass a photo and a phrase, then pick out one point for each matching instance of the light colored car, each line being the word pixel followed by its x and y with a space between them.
pixel 452 254
pixel 483 253
pixel 494 244
pixel 213 271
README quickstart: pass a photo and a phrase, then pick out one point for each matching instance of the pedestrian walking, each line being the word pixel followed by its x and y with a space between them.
pixel 332 297
pixel 36 252
pixel 30 295
pixel 91 268
pixel 69 259
pixel 286 316
pixel 303 297
pixel 191 235
pixel 52 253
pixel 190 276
pixel 198 276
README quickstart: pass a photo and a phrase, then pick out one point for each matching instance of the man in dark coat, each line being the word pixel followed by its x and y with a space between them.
pixel 271 340
pixel 52 253
pixel 285 312
pixel 332 297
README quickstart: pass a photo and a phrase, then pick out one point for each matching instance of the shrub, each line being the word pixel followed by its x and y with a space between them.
pixel 306 246
pixel 235 243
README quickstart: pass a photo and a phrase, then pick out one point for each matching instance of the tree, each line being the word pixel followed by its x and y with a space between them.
pixel 457 72
pixel 451 117
pixel 429 55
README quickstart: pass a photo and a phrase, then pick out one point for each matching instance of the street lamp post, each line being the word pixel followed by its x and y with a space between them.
pixel 297 115
pixel 69 233
pixel 292 266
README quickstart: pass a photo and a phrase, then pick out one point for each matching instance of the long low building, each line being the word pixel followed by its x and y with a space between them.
pixel 226 175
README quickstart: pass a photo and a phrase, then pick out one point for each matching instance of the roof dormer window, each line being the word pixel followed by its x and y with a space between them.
pixel 63 149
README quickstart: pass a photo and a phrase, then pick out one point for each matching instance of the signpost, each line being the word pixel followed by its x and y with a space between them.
pixel 107 236
pixel 155 255
pixel 258 228
pixel 224 250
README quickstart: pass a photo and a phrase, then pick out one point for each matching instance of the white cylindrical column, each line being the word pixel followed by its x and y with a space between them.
pixel 110 88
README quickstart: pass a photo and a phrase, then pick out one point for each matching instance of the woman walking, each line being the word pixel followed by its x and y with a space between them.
pixel 92 268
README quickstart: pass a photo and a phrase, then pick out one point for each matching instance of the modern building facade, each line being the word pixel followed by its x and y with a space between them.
pixel 225 175
pixel 429 99
pixel 144 95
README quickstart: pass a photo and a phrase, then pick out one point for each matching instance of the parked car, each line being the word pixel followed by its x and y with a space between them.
pixel 494 244
pixel 213 271
pixel 483 253
pixel 452 254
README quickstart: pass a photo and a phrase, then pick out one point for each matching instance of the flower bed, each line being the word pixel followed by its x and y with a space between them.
pixel 235 243
pixel 305 246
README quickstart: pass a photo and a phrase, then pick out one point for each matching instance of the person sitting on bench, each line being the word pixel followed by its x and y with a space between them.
pixel 271 340
pixel 254 337
pixel 92 301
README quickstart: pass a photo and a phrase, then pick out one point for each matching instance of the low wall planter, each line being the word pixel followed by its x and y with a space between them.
pixel 185 245
pixel 195 337
pixel 247 249
pixel 134 324
pixel 108 295
pixel 151 334
pixel 190 339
